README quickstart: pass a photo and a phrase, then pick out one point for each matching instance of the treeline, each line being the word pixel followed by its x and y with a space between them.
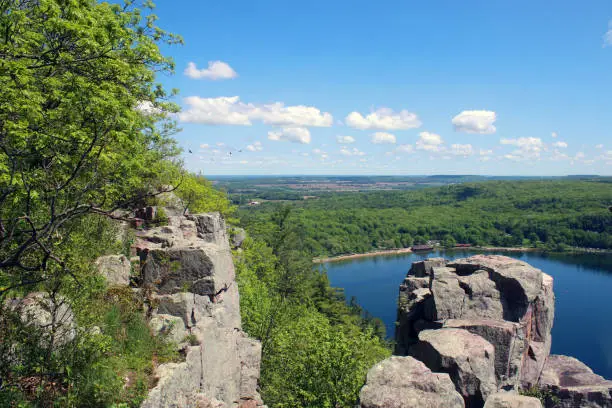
pixel 316 349
pixel 555 215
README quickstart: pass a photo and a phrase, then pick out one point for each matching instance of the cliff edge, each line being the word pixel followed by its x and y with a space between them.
pixel 187 274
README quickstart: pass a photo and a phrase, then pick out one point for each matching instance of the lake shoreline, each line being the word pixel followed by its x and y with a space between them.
pixel 398 251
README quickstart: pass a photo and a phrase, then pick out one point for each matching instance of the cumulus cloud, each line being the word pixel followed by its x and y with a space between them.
pixel 485 152
pixel 290 134
pixel 255 147
pixel 227 110
pixel 384 119
pixel 430 142
pixel 462 149
pixel 345 139
pixel 351 152
pixel 554 134
pixel 561 145
pixel 383 138
pixel 607 38
pixel 216 70
pixel 527 147
pixel 204 146
pixel 599 146
pixel 475 121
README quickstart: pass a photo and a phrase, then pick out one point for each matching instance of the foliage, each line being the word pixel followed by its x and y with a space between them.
pixel 85 136
pixel 546 397
pixel 84 128
pixel 554 215
pixel 316 348
pixel 198 195
pixel 113 341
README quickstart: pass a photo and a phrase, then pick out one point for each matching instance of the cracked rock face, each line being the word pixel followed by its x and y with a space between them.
pixel 404 382
pixel 507 302
pixel 187 266
pixel 466 357
pixel 486 321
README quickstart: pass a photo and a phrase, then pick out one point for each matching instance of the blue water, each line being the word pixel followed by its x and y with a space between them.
pixel 583 289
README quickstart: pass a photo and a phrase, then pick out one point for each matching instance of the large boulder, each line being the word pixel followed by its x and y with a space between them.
pixel 238 236
pixel 52 316
pixel 508 340
pixel 403 382
pixel 116 269
pixel 510 400
pixel 466 357
pixel 506 301
pixel 572 384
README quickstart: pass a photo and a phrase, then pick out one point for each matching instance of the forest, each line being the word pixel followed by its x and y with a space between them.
pixel 554 215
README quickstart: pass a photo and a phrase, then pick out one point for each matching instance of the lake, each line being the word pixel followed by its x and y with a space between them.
pixel 583 290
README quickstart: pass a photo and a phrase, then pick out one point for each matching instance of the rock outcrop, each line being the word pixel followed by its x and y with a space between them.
pixel 507 302
pixel 573 384
pixel 466 357
pixel 404 382
pixel 486 321
pixel 115 268
pixel 187 268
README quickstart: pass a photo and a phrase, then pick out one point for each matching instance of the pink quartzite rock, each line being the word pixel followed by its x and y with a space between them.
pixel 403 382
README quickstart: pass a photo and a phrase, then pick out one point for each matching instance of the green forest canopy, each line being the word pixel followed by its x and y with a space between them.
pixel 548 213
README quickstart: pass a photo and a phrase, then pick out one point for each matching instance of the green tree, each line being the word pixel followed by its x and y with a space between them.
pixel 84 127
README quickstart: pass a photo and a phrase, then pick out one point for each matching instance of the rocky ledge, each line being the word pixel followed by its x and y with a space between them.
pixel 484 322
pixel 186 271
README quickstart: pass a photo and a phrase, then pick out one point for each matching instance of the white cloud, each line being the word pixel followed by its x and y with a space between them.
pixel 216 70
pixel 291 134
pixel 255 147
pixel 527 147
pixel 475 121
pixel 554 134
pixel 462 149
pixel 579 156
pixel 532 144
pixel 607 38
pixel 204 146
pixel 558 155
pixel 561 145
pixel 351 152
pixel 243 162
pixel 383 138
pixel 599 146
pixel 231 111
pixel 430 142
pixel 345 139
pixel 384 119
pixel 405 148
pixel 485 152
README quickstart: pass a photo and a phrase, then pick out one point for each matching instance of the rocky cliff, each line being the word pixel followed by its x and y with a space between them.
pixel 484 322
pixel 187 273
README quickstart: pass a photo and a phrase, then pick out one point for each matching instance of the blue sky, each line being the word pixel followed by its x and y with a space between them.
pixel 393 87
